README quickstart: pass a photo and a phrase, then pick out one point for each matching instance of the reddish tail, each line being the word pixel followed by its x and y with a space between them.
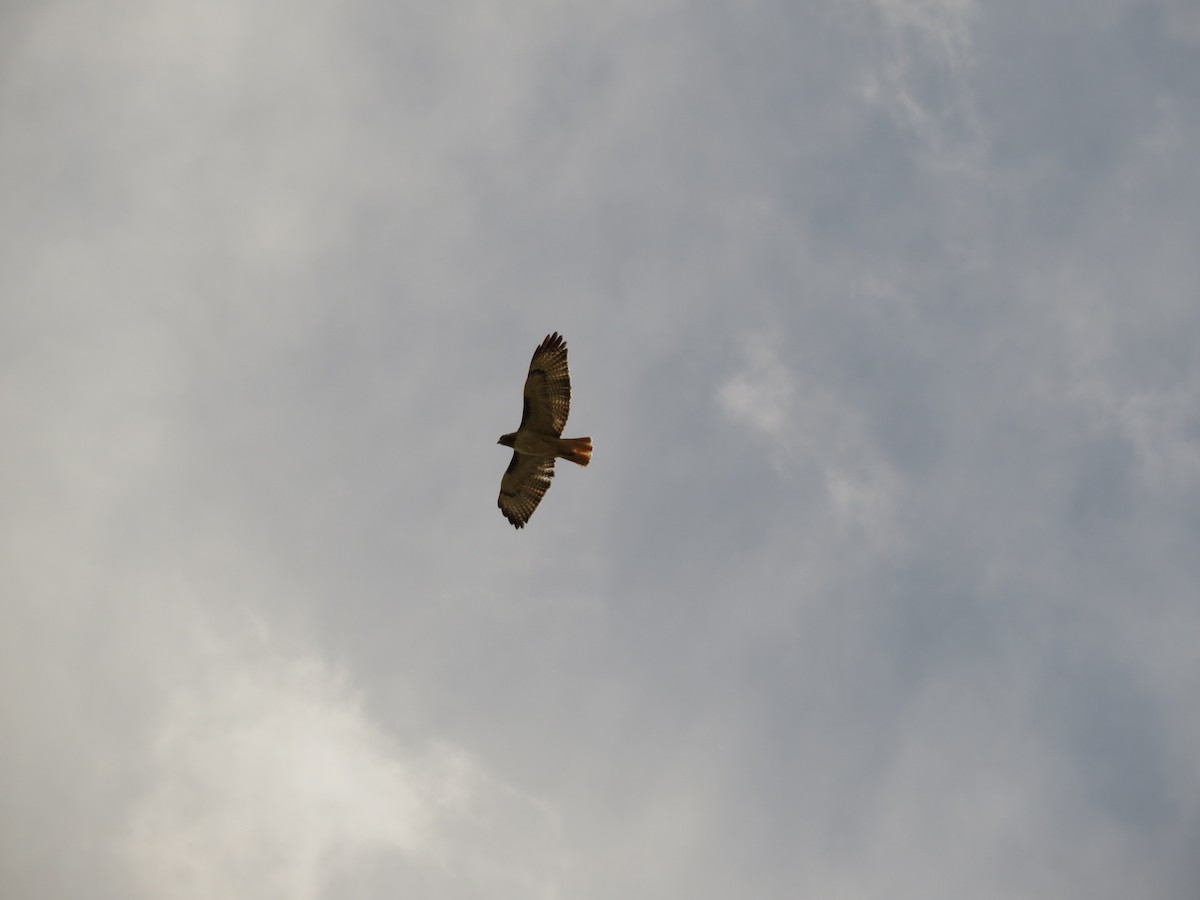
pixel 577 450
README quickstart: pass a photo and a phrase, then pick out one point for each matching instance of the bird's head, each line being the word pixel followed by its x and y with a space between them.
pixel 507 439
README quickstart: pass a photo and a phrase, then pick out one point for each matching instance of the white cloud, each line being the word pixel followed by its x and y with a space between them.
pixel 761 394
pixel 942 22
pixel 1160 425
pixel 923 78
pixel 805 424
pixel 268 779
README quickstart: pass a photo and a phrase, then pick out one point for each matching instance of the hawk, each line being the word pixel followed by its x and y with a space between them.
pixel 536 443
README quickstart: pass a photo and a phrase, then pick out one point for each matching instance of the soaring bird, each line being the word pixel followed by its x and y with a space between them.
pixel 537 442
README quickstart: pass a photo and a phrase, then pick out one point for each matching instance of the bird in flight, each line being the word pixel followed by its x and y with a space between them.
pixel 537 442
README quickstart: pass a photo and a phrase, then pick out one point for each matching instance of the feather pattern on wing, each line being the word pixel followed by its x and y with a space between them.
pixel 524 483
pixel 547 388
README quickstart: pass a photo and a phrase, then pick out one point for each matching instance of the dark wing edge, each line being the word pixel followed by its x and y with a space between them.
pixel 525 482
pixel 548 388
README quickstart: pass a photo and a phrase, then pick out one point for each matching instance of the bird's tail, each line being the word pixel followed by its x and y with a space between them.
pixel 577 450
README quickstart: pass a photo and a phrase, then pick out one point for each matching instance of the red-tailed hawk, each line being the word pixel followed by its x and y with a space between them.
pixel 536 443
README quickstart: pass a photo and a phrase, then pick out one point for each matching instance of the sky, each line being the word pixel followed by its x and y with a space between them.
pixel 884 318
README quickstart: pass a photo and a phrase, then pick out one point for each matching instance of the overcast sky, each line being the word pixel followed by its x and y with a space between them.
pixel 884 316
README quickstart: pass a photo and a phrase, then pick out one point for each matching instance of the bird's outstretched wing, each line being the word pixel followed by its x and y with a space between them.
pixel 524 483
pixel 547 388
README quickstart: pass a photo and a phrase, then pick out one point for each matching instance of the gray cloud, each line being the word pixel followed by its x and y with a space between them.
pixel 881 315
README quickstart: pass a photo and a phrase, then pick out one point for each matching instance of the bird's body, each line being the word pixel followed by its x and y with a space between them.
pixel 538 442
pixel 533 444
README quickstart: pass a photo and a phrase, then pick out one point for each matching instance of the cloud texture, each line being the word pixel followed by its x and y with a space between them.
pixel 883 316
